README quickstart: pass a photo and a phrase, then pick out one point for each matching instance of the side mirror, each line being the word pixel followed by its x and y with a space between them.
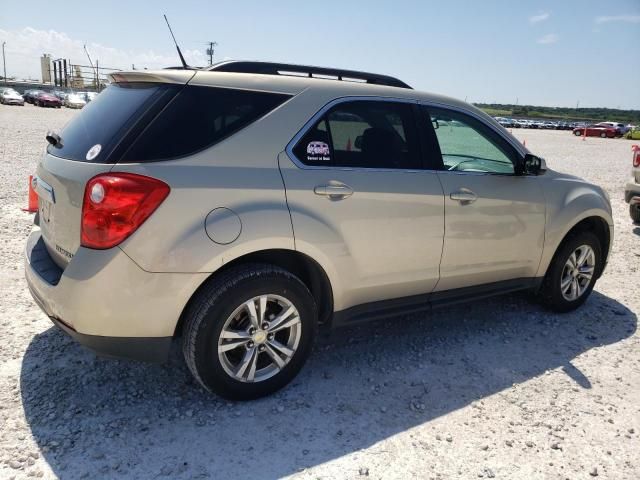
pixel 533 165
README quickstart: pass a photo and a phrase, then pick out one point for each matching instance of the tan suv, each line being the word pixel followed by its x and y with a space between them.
pixel 246 205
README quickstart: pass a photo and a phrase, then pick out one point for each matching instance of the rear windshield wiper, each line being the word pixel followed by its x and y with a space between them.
pixel 54 139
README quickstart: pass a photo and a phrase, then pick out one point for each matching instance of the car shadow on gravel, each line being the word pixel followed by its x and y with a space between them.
pixel 98 418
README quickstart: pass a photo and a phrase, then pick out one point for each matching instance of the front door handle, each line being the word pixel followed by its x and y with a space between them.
pixel 334 192
pixel 464 196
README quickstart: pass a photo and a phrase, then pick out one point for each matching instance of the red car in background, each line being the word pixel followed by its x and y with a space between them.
pixel 597 130
pixel 44 99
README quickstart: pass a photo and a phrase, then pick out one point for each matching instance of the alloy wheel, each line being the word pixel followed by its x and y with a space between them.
pixel 577 273
pixel 259 338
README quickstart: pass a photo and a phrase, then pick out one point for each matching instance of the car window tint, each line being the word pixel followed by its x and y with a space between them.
pixel 363 134
pixel 197 118
pixel 467 145
pixel 102 123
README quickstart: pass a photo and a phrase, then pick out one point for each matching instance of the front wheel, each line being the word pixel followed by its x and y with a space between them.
pixel 603 135
pixel 577 133
pixel 573 272
pixel 249 331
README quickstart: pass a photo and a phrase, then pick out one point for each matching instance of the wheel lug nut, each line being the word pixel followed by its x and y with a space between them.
pixel 252 331
pixel 261 348
pixel 270 336
pixel 250 344
pixel 265 325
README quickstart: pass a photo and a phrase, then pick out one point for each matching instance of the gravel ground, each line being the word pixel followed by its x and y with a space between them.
pixel 495 389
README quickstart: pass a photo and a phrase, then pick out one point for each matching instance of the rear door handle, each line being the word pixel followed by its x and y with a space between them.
pixel 464 196
pixel 333 192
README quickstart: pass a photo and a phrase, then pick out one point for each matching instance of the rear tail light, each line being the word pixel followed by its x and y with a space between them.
pixel 115 205
pixel 636 155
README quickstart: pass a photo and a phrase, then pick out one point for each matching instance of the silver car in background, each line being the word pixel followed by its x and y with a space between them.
pixel 242 207
pixel 9 96
pixel 74 100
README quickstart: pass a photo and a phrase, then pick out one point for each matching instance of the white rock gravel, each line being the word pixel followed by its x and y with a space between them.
pixel 495 389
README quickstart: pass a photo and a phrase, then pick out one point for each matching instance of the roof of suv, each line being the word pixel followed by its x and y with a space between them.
pixel 292 84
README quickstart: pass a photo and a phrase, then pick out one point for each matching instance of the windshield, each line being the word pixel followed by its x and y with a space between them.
pixel 104 122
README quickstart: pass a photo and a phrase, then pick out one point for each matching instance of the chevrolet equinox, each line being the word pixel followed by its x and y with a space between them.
pixel 243 206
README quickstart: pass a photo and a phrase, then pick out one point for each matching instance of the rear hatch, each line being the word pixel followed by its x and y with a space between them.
pixel 90 145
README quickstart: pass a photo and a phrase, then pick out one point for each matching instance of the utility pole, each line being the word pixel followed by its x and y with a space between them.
pixel 4 63
pixel 211 50
pixel 94 70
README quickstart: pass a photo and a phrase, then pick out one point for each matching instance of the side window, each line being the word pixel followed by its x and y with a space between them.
pixel 467 145
pixel 197 118
pixel 363 134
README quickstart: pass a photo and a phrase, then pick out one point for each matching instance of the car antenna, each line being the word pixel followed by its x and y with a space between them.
pixel 184 64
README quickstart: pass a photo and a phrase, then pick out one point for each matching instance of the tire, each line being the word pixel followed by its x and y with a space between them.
pixel 577 133
pixel 551 294
pixel 220 306
pixel 634 211
pixel 603 135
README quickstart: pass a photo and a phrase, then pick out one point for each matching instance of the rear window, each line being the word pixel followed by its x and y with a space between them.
pixel 94 134
pixel 197 118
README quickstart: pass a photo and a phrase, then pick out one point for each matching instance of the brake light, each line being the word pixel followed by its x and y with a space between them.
pixel 636 155
pixel 115 205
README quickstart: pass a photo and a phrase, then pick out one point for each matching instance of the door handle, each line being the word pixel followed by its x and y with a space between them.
pixel 464 196
pixel 333 192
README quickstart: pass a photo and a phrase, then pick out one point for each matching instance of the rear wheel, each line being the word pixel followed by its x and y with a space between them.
pixel 603 135
pixel 573 272
pixel 634 211
pixel 249 332
pixel 577 133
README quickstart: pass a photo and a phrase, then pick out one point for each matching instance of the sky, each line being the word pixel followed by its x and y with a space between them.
pixel 552 53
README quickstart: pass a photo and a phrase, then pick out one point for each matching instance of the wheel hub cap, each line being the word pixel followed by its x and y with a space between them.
pixel 260 336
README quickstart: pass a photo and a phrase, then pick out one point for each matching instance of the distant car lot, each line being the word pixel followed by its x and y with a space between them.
pixel 592 129
pixel 45 98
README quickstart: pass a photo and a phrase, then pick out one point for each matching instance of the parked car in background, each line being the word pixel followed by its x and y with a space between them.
pixel 596 130
pixel 45 99
pixel 74 100
pixel 88 96
pixel 633 133
pixel 9 96
pixel 632 189
pixel 30 95
pixel 224 212
pixel 620 128
pixel 505 122
pixel 60 94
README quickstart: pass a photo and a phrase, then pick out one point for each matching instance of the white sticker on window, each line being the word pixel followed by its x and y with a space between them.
pixel 318 152
pixel 93 151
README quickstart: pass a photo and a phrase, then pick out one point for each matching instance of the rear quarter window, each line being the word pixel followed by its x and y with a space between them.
pixel 197 118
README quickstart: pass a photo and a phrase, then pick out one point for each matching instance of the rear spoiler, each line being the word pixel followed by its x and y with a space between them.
pixel 180 77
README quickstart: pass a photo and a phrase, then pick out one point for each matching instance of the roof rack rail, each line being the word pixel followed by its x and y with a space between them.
pixel 268 68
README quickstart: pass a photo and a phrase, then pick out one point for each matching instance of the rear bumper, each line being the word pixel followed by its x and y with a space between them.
pixel 153 349
pixel 632 193
pixel 108 303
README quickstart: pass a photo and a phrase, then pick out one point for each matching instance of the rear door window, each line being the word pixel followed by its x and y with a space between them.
pixel 363 134
pixel 197 118
pixel 94 133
